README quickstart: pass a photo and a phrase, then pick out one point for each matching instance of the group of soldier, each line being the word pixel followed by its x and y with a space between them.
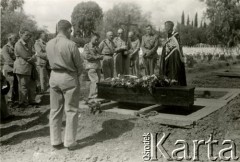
pixel 113 56
pixel 24 69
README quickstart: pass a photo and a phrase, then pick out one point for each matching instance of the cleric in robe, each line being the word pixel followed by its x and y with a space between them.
pixel 172 59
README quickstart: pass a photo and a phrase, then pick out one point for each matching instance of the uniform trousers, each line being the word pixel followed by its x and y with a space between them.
pixel 149 64
pixel 64 97
pixel 125 64
pixel 13 81
pixel 118 64
pixel 94 76
pixel 108 66
pixel 43 77
pixel 27 89
pixel 135 65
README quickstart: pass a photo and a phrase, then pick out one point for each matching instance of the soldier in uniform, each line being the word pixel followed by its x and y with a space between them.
pixel 40 49
pixel 172 59
pixel 107 48
pixel 121 58
pixel 24 67
pixel 93 64
pixel 67 66
pixel 9 58
pixel 134 53
pixel 149 47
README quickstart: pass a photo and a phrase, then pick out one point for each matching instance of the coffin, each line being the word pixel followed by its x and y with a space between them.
pixel 171 96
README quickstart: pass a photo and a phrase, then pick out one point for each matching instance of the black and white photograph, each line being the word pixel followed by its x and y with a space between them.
pixel 120 80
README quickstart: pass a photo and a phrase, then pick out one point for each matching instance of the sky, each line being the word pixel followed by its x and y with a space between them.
pixel 48 12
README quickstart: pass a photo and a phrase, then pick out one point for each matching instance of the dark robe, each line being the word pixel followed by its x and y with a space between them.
pixel 172 66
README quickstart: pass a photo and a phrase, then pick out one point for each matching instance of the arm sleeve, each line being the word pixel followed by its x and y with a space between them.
pixel 101 46
pixel 155 47
pixel 77 60
pixel 162 62
pixel 143 46
pixel 179 42
pixel 5 54
pixel 39 51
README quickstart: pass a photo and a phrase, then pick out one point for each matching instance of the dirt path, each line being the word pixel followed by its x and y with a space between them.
pixel 110 137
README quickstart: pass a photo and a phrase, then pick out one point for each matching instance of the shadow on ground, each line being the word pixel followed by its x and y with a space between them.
pixel 111 129
pixel 42 122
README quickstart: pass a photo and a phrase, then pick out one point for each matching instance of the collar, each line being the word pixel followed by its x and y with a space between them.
pixel 61 35
pixel 171 34
pixel 149 35
pixel 41 41
pixel 109 40
pixel 91 45
pixel 10 45
pixel 22 41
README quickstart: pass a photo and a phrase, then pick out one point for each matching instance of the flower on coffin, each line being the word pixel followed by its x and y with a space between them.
pixel 149 82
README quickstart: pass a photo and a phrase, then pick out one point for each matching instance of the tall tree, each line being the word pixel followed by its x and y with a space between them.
pixel 204 25
pixel 183 19
pixel 188 20
pixel 192 24
pixel 224 16
pixel 85 18
pixel 201 25
pixel 196 20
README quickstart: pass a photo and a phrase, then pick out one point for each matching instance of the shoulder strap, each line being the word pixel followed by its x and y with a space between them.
pixel 108 46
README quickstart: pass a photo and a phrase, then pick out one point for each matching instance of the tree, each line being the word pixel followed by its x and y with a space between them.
pixel 196 20
pixel 11 5
pixel 183 19
pixel 204 25
pixel 12 19
pixel 119 14
pixel 201 25
pixel 85 18
pixel 224 16
pixel 188 20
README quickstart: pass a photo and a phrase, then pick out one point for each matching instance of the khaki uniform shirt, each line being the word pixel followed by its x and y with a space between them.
pixel 150 45
pixel 63 55
pixel 107 47
pixel 119 43
pixel 23 53
pixel 92 56
pixel 8 57
pixel 40 49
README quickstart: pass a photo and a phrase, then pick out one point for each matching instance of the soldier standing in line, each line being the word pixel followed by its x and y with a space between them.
pixel 40 49
pixel 121 58
pixel 67 66
pixel 9 58
pixel 149 47
pixel 24 67
pixel 172 59
pixel 93 64
pixel 107 48
pixel 134 53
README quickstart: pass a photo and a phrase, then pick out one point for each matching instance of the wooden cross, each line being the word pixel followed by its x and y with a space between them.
pixel 128 25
